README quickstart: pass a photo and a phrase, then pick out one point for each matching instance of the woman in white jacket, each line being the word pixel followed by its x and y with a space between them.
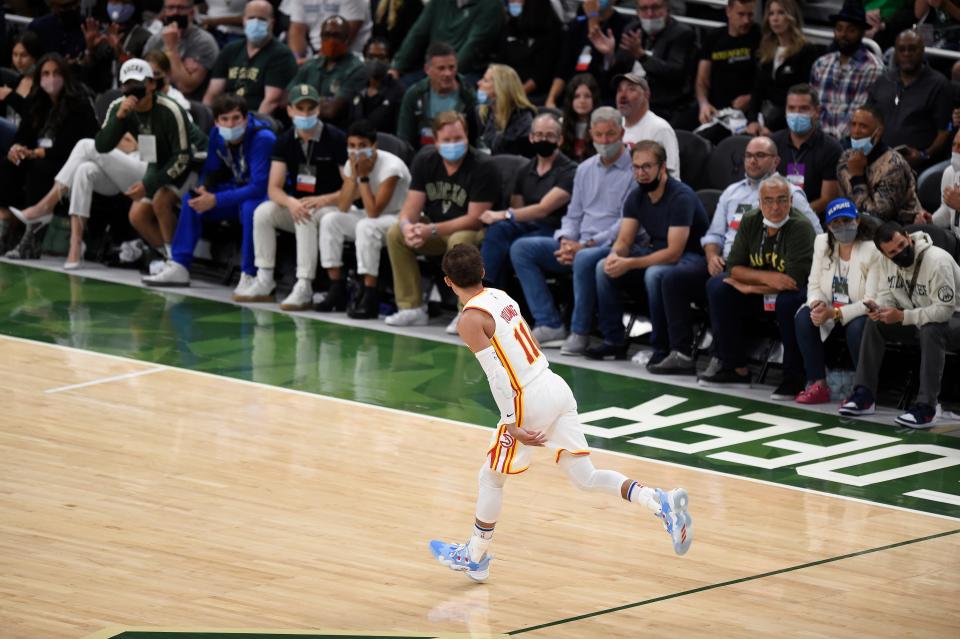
pixel 948 215
pixel 838 284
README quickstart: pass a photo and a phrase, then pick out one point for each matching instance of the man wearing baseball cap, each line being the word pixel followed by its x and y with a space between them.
pixel 640 123
pixel 166 140
pixel 304 186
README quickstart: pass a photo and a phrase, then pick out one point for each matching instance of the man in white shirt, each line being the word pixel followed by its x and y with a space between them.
pixel 640 123
pixel 306 16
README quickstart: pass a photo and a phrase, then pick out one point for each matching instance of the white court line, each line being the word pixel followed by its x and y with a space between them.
pixel 397 411
pixel 104 380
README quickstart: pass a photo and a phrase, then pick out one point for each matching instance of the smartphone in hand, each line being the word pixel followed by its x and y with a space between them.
pixel 871 306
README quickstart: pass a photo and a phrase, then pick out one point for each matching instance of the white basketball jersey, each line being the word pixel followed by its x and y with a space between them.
pixel 512 339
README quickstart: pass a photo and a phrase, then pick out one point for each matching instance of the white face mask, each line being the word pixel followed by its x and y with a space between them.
pixel 775 225
pixel 955 162
pixel 653 26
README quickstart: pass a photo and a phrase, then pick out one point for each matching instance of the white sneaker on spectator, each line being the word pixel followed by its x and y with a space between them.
pixel 575 344
pixel 245 282
pixel 712 368
pixel 156 267
pixel 409 317
pixel 452 326
pixel 549 337
pixel 300 298
pixel 173 274
pixel 260 290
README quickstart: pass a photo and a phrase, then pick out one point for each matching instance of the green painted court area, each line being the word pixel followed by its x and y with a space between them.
pixel 771 442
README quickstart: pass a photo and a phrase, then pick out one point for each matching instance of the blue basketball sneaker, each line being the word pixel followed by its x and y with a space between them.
pixel 676 518
pixel 457 557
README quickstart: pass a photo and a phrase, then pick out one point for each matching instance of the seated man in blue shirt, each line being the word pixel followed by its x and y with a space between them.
pixel 600 187
pixel 674 218
pixel 233 182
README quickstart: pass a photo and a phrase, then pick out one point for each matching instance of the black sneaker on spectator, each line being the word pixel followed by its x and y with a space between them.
pixel 919 416
pixel 367 307
pixel 860 402
pixel 675 363
pixel 607 351
pixel 726 378
pixel 788 389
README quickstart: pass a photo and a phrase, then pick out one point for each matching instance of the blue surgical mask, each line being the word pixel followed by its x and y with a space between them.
pixel 482 97
pixel 452 151
pixel 515 9
pixel 604 4
pixel 305 122
pixel 231 134
pixel 120 12
pixel 799 123
pixel 864 145
pixel 361 153
pixel 256 30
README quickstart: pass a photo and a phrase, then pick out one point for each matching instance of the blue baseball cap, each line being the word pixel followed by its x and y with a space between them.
pixel 841 207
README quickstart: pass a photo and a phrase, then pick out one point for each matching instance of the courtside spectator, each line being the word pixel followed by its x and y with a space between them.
pixel 471 27
pixel 918 300
pixel 504 113
pixel 600 187
pixel 451 186
pixel 304 185
pixel 768 268
pixel 842 78
pixel 581 98
pixel 257 67
pixel 915 102
pixel 947 216
pixel 379 102
pixel 640 123
pixel 54 116
pixel 442 90
pixel 192 51
pixel 307 16
pixel 538 202
pixel 785 59
pixel 233 182
pixel 657 251
pixel 380 180
pixel 876 177
pixel 808 156
pixel 839 282
pixel 335 73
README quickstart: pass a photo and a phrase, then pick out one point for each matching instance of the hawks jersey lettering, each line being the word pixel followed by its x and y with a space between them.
pixel 512 339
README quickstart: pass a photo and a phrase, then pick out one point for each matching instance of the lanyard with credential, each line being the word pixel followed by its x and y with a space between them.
pixel 238 173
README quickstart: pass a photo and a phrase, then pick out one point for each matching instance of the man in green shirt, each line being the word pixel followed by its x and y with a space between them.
pixel 336 74
pixel 258 67
pixel 167 140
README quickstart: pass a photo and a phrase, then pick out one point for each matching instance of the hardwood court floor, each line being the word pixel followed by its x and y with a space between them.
pixel 161 497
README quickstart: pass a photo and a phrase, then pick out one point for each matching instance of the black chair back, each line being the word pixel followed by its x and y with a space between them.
pixel 725 165
pixel 694 153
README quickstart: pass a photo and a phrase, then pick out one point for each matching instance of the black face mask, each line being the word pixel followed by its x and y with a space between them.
pixel 376 69
pixel 139 91
pixel 651 186
pixel 904 259
pixel 160 82
pixel 544 148
pixel 70 18
pixel 182 21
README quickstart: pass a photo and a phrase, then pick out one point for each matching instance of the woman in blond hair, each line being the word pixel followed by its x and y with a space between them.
pixel 504 112
pixel 785 59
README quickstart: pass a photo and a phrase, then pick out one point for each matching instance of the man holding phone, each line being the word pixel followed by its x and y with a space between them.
pixel 918 300
pixel 166 140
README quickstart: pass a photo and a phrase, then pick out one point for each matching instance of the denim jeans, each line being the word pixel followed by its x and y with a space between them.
pixel 812 347
pixel 533 257
pixel 496 246
pixel 728 310
pixel 672 329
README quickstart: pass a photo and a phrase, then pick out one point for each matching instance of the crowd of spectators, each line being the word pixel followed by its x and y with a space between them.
pixel 550 133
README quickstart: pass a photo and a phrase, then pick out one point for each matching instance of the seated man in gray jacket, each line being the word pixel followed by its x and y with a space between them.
pixel 918 300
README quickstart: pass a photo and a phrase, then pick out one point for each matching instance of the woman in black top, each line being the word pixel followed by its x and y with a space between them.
pixel 504 112
pixel 785 60
pixel 55 115
pixel 582 97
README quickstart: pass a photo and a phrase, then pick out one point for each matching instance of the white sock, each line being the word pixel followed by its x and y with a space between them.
pixel 265 274
pixel 640 494
pixel 480 540
pixel 168 251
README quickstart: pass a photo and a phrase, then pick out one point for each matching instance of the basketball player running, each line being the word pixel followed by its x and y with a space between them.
pixel 537 408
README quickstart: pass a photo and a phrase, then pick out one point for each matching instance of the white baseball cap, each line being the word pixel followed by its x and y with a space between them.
pixel 135 69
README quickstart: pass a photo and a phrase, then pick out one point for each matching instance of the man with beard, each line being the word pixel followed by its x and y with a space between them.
pixel 842 78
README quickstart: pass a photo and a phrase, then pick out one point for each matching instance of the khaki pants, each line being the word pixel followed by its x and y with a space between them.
pixel 403 260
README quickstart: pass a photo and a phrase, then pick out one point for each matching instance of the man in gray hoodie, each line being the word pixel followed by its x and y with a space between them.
pixel 918 300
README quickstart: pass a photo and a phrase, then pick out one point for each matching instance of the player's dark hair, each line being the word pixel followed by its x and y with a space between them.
pixel 228 103
pixel 463 265
pixel 363 129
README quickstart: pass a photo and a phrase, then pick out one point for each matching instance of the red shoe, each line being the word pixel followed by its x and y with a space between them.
pixel 817 393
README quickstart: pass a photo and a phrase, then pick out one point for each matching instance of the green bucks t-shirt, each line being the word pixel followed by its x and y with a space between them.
pixel 271 66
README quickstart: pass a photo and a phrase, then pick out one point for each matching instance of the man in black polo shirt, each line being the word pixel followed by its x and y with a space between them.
pixel 538 201
pixel 728 62
pixel 258 67
pixel 808 156
pixel 304 186
pixel 450 188
pixel 915 102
